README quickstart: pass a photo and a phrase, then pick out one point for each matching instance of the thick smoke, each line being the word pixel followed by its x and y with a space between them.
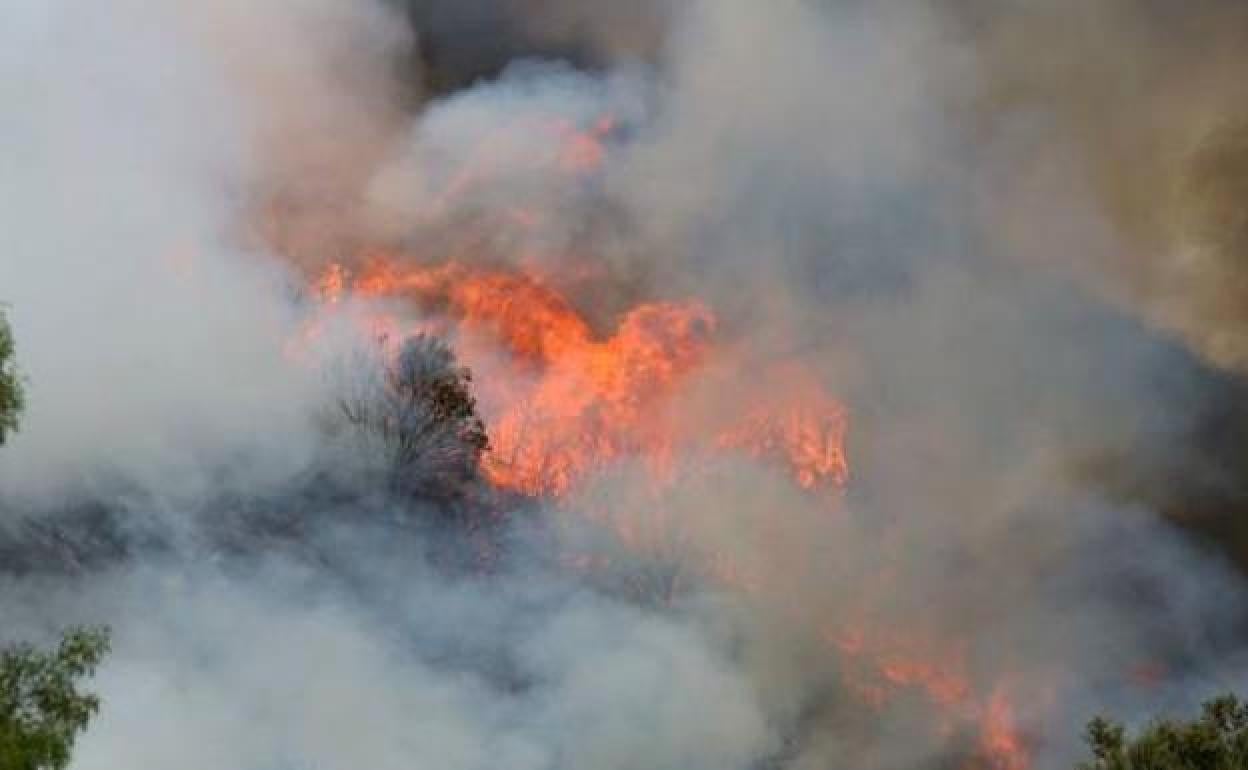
pixel 1006 236
pixel 216 671
pixel 1134 111
pixel 139 147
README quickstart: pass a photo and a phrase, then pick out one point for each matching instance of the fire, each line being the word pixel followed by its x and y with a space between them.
pixel 330 286
pixel 882 664
pixel 531 321
pixel 575 400
pixel 592 400
pixel 584 151
pixel 1000 742
pixel 807 427
pixel 566 398
pixel 596 401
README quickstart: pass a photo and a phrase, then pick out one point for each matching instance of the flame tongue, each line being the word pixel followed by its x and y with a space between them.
pixel 569 402
pixel 586 401
pixel 799 422
pixel 589 400
pixel 532 321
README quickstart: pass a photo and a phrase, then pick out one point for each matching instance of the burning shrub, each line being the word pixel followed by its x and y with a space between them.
pixel 424 415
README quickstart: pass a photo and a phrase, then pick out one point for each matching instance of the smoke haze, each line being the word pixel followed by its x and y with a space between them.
pixel 1007 237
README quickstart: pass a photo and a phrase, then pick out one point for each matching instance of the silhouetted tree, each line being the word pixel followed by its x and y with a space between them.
pixel 11 396
pixel 42 711
pixel 423 411
pixel 1217 740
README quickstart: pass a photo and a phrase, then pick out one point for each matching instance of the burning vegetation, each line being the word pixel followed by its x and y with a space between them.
pixel 718 385
pixel 582 402
pixel 566 404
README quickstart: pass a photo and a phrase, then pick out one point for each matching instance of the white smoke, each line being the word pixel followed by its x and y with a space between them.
pixel 211 672
pixel 837 179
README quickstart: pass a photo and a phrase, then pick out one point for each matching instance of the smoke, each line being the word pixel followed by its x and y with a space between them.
pixel 594 685
pixel 464 42
pixel 279 666
pixel 1135 109
pixel 1005 236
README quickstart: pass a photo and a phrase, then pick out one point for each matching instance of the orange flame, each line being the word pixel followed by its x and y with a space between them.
pixel 576 399
pixel 887 663
pixel 1000 742
pixel 594 400
pixel 809 431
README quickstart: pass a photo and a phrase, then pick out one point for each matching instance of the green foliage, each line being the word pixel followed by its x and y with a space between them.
pixel 11 396
pixel 1217 740
pixel 42 710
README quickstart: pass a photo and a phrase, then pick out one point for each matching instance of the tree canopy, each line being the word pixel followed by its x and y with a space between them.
pixel 421 407
pixel 11 396
pixel 1216 740
pixel 42 709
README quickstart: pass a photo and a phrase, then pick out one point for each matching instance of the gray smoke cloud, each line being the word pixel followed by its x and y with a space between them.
pixel 136 146
pixel 1006 237
pixel 280 667
pixel 1132 111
